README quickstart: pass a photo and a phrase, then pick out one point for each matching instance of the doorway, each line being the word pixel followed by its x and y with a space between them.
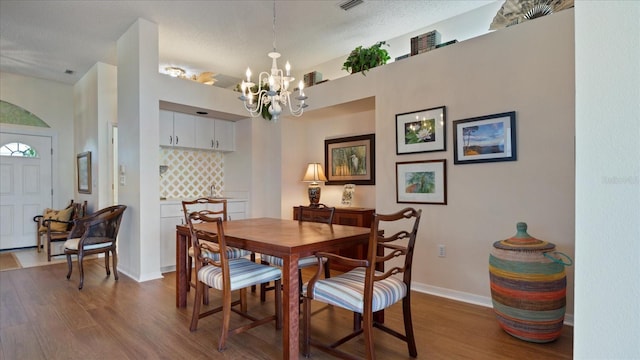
pixel 25 186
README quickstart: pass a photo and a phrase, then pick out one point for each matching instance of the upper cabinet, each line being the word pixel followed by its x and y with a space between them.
pixel 177 129
pixel 225 132
pixel 196 132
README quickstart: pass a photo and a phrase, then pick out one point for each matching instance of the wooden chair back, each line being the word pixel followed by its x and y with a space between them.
pixel 100 227
pixel 385 248
pixel 215 244
pixel 217 207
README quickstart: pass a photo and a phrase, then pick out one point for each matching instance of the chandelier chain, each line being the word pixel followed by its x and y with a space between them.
pixel 274 25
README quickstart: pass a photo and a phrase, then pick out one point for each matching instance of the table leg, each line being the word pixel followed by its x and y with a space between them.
pixel 291 303
pixel 181 270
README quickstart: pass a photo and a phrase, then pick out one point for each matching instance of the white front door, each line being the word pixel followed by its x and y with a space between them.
pixel 25 190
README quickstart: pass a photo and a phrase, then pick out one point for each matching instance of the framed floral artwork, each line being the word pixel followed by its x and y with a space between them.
pixel 421 131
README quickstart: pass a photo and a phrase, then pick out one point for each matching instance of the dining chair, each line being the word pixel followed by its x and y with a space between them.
pixel 217 207
pixel 95 234
pixel 366 290
pixel 319 213
pixel 227 275
pixel 55 225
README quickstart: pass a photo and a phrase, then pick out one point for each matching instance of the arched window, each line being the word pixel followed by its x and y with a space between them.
pixel 18 149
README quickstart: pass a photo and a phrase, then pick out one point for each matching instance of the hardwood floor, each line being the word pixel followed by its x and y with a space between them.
pixel 44 316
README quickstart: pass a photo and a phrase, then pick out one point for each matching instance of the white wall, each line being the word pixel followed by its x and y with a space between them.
pixel 138 114
pixel 94 111
pixel 526 68
pixel 462 27
pixel 53 103
pixel 607 309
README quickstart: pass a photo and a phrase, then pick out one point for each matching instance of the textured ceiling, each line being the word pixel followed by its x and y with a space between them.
pixel 46 37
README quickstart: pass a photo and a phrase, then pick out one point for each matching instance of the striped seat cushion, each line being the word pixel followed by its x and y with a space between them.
pixel 72 244
pixel 347 291
pixel 302 263
pixel 242 273
pixel 232 253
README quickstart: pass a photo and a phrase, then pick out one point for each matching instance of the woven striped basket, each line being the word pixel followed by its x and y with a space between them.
pixel 528 286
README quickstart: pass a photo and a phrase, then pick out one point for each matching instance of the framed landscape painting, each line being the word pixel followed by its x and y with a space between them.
pixel 421 131
pixel 422 182
pixel 350 160
pixel 487 138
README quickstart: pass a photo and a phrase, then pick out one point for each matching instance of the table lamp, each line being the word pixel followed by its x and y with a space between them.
pixel 314 175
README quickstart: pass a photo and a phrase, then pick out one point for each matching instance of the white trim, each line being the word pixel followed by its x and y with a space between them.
pixel 465 297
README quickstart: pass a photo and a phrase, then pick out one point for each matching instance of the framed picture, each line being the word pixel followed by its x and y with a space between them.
pixel 84 172
pixel 487 138
pixel 350 160
pixel 421 131
pixel 422 182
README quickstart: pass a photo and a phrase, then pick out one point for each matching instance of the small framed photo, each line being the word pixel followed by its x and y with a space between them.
pixel 422 182
pixel 84 172
pixel 421 131
pixel 487 138
pixel 350 160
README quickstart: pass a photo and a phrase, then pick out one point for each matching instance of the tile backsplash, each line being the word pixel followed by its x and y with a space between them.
pixel 190 173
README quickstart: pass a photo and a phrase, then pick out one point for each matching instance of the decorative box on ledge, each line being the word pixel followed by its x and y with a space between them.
pixel 425 42
pixel 312 78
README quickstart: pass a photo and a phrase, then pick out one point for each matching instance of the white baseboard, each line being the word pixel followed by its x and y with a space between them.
pixel 465 297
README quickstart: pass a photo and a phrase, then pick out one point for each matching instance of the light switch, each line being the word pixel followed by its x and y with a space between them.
pixel 123 180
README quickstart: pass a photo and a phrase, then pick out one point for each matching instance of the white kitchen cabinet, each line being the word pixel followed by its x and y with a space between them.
pixel 225 135
pixel 214 134
pixel 177 129
pixel 205 133
pixel 166 128
pixel 171 215
pixel 184 130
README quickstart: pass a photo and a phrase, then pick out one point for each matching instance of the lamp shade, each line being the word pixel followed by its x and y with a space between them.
pixel 314 173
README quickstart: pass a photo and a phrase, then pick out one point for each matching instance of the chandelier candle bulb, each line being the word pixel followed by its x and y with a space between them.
pixel 288 67
pixel 248 75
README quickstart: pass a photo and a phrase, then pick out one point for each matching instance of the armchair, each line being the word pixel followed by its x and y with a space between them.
pixel 95 234
pixel 55 225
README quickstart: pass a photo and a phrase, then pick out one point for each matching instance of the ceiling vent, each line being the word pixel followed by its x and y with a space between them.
pixel 350 4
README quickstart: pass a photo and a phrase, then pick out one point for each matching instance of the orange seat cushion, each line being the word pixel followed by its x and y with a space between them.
pixel 61 215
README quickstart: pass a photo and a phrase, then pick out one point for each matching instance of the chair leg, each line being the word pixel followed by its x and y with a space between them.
pixel 327 270
pixel 189 271
pixel 243 300
pixel 368 336
pixel 408 326
pixel 226 319
pixel 306 328
pixel 48 249
pixel 39 240
pixel 114 255
pixel 196 307
pixel 278 305
pixel 106 262
pixel 80 269
pixel 69 266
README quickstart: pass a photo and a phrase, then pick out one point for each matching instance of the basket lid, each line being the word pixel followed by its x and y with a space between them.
pixel 522 241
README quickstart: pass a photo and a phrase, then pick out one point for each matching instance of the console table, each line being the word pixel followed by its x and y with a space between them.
pixel 353 216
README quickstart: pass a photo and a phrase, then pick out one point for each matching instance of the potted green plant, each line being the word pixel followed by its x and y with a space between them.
pixel 362 59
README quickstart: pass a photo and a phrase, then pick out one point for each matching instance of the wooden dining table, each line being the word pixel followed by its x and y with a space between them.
pixel 288 239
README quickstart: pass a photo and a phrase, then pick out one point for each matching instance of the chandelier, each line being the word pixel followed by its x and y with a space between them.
pixel 271 94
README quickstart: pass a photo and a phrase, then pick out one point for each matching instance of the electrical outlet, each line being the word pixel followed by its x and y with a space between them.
pixel 442 251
